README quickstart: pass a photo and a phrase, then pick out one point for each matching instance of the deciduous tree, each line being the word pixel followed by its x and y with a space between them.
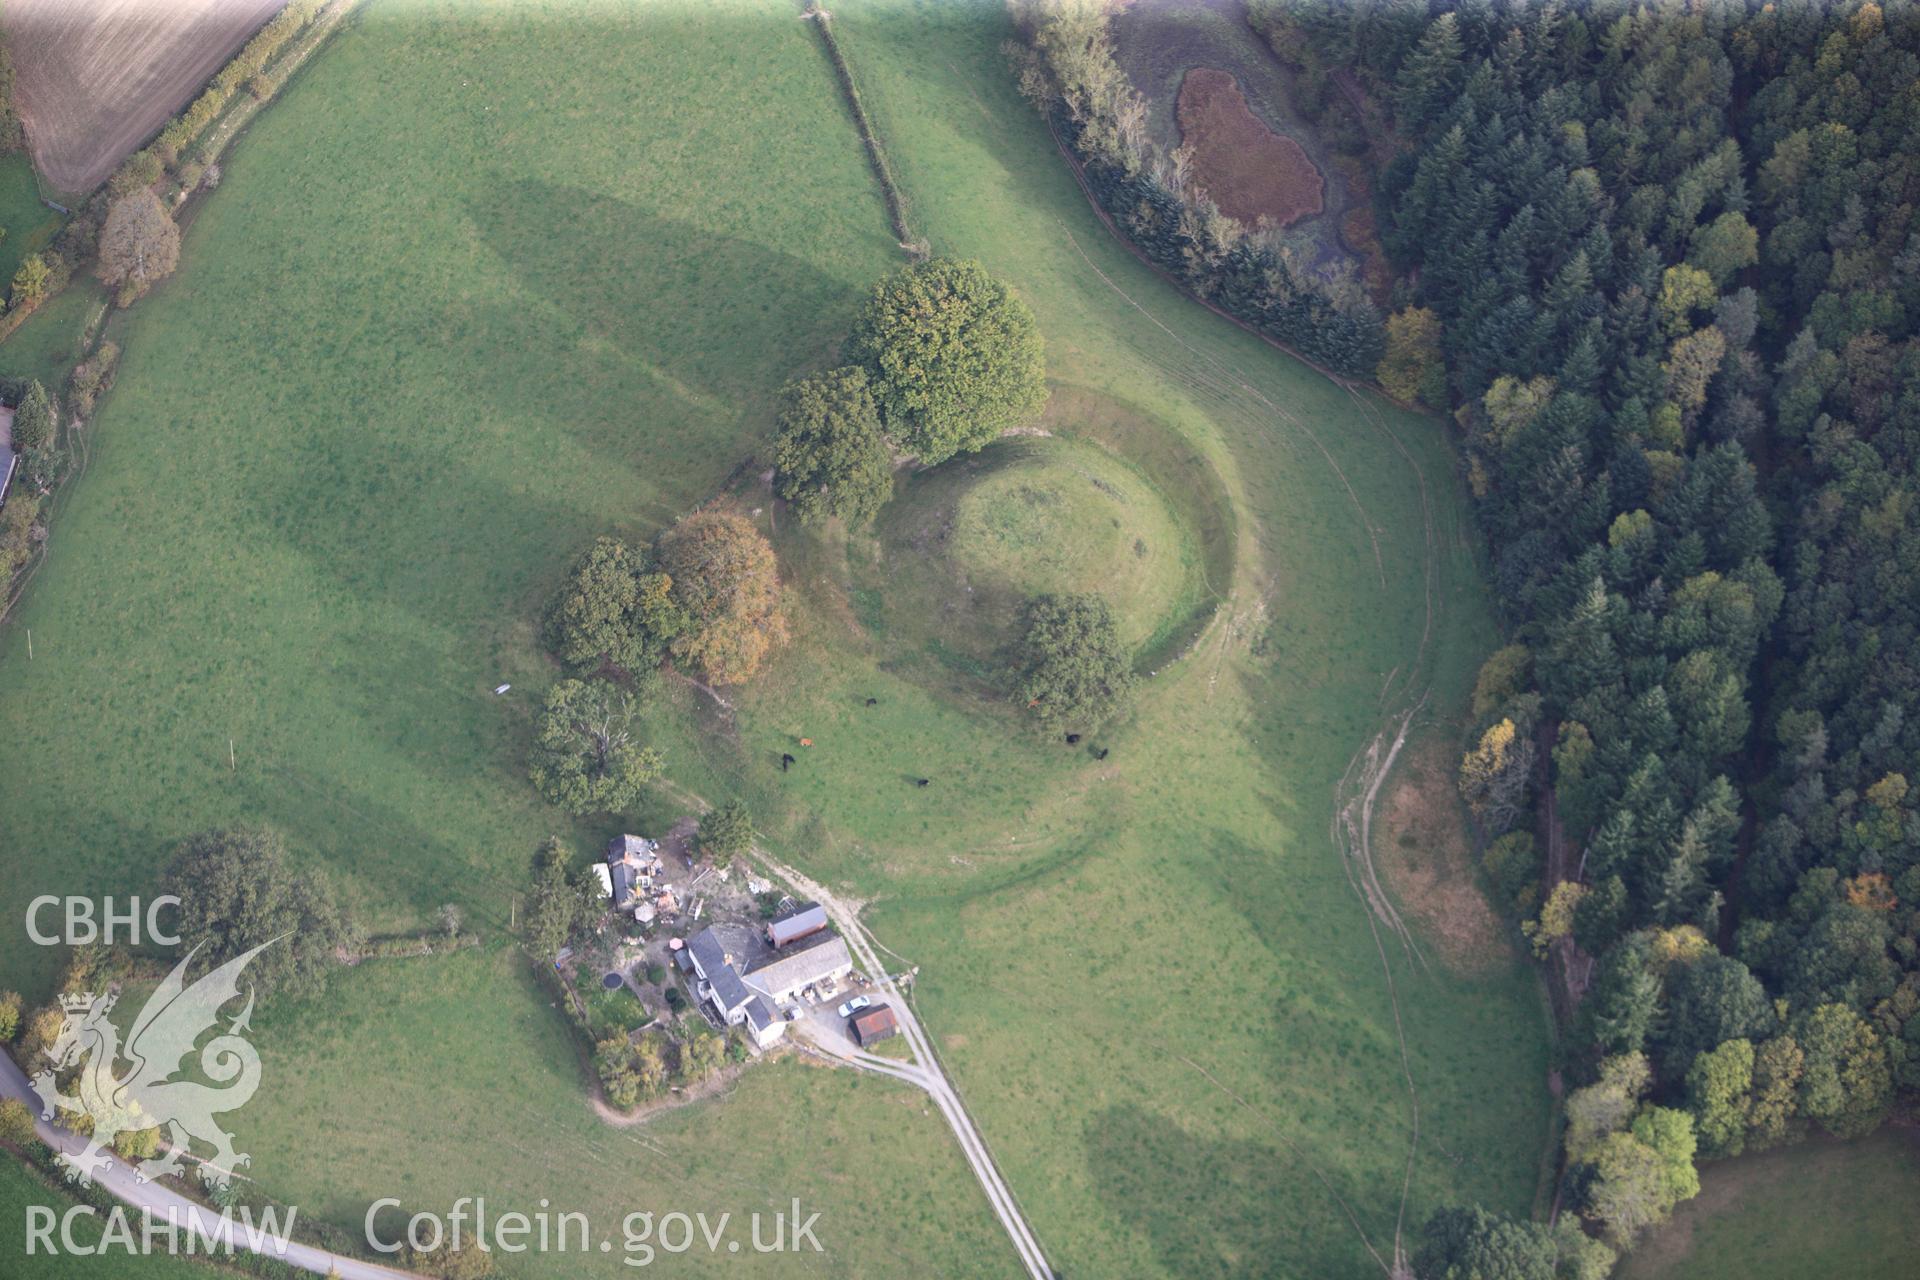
pixel 1413 368
pixel 16 1123
pixel 614 610
pixel 725 580
pixel 955 358
pixel 139 245
pixel 830 455
pixel 586 756
pixel 1074 671
pixel 240 888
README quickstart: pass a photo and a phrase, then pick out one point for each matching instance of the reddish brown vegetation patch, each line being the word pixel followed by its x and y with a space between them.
pixel 1421 846
pixel 1250 171
pixel 96 78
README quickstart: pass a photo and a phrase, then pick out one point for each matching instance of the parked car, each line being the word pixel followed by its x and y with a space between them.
pixel 854 1006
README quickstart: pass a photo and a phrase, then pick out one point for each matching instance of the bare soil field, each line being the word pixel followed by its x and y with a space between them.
pixel 1250 171
pixel 96 78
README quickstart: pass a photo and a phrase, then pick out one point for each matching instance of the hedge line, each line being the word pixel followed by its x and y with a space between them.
pixel 436 943
pixel 249 62
pixel 896 201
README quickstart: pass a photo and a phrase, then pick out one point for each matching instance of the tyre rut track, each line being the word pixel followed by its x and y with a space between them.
pixel 1357 793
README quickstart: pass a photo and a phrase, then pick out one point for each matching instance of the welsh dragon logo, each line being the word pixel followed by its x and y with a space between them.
pixel 146 1096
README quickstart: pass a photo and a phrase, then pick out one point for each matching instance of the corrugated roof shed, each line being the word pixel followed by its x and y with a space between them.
pixel 811 918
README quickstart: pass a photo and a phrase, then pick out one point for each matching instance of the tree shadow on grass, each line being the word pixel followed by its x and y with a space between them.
pixel 659 338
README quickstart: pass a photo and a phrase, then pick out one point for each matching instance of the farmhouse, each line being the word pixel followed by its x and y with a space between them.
pixel 753 996
pixel 785 975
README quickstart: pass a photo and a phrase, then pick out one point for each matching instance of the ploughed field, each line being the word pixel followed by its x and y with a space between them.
pixel 94 79
pixel 484 283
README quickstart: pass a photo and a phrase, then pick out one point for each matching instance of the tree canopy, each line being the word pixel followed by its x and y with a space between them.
pixel 1674 287
pixel 954 356
pixel 559 902
pixel 1472 1244
pixel 830 455
pixel 726 832
pixel 614 610
pixel 587 758
pixel 1075 673
pixel 139 244
pixel 724 578
pixel 240 888
pixel 33 419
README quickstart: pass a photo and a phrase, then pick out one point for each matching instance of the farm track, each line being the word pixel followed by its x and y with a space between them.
pixel 165 1205
pixel 927 1074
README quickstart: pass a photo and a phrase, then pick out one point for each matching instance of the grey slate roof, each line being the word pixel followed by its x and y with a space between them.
pixel 791 970
pixel 710 957
pixel 760 1013
pixel 624 846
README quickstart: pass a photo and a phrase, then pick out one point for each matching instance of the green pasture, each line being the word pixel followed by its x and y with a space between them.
pixel 965 545
pixel 487 281
pixel 21 1190
pixel 1824 1209
pixel 30 225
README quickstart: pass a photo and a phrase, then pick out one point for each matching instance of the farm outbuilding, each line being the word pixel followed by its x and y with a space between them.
pixel 809 920
pixel 875 1024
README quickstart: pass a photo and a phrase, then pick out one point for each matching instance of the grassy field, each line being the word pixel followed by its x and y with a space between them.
pixel 964 546
pixel 406 373
pixel 1825 1209
pixel 20 1189
pixel 30 226
pixel 468 1048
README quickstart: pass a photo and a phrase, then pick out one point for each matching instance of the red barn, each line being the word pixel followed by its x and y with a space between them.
pixel 874 1024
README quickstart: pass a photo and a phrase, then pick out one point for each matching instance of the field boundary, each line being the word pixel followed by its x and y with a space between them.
pixel 869 136
pixel 210 145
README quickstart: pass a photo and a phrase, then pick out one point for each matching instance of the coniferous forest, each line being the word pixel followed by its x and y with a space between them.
pixel 1660 265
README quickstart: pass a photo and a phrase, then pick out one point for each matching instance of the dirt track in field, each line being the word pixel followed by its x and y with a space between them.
pixel 94 79
pixel 1250 171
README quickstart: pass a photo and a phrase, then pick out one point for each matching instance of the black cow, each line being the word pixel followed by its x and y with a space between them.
pixel 921 782
pixel 785 760
pixel 1073 739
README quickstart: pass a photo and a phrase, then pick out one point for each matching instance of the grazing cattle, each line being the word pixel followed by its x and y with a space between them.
pixel 873 702
pixel 785 760
pixel 1101 754
pixel 1073 739
pixel 921 782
